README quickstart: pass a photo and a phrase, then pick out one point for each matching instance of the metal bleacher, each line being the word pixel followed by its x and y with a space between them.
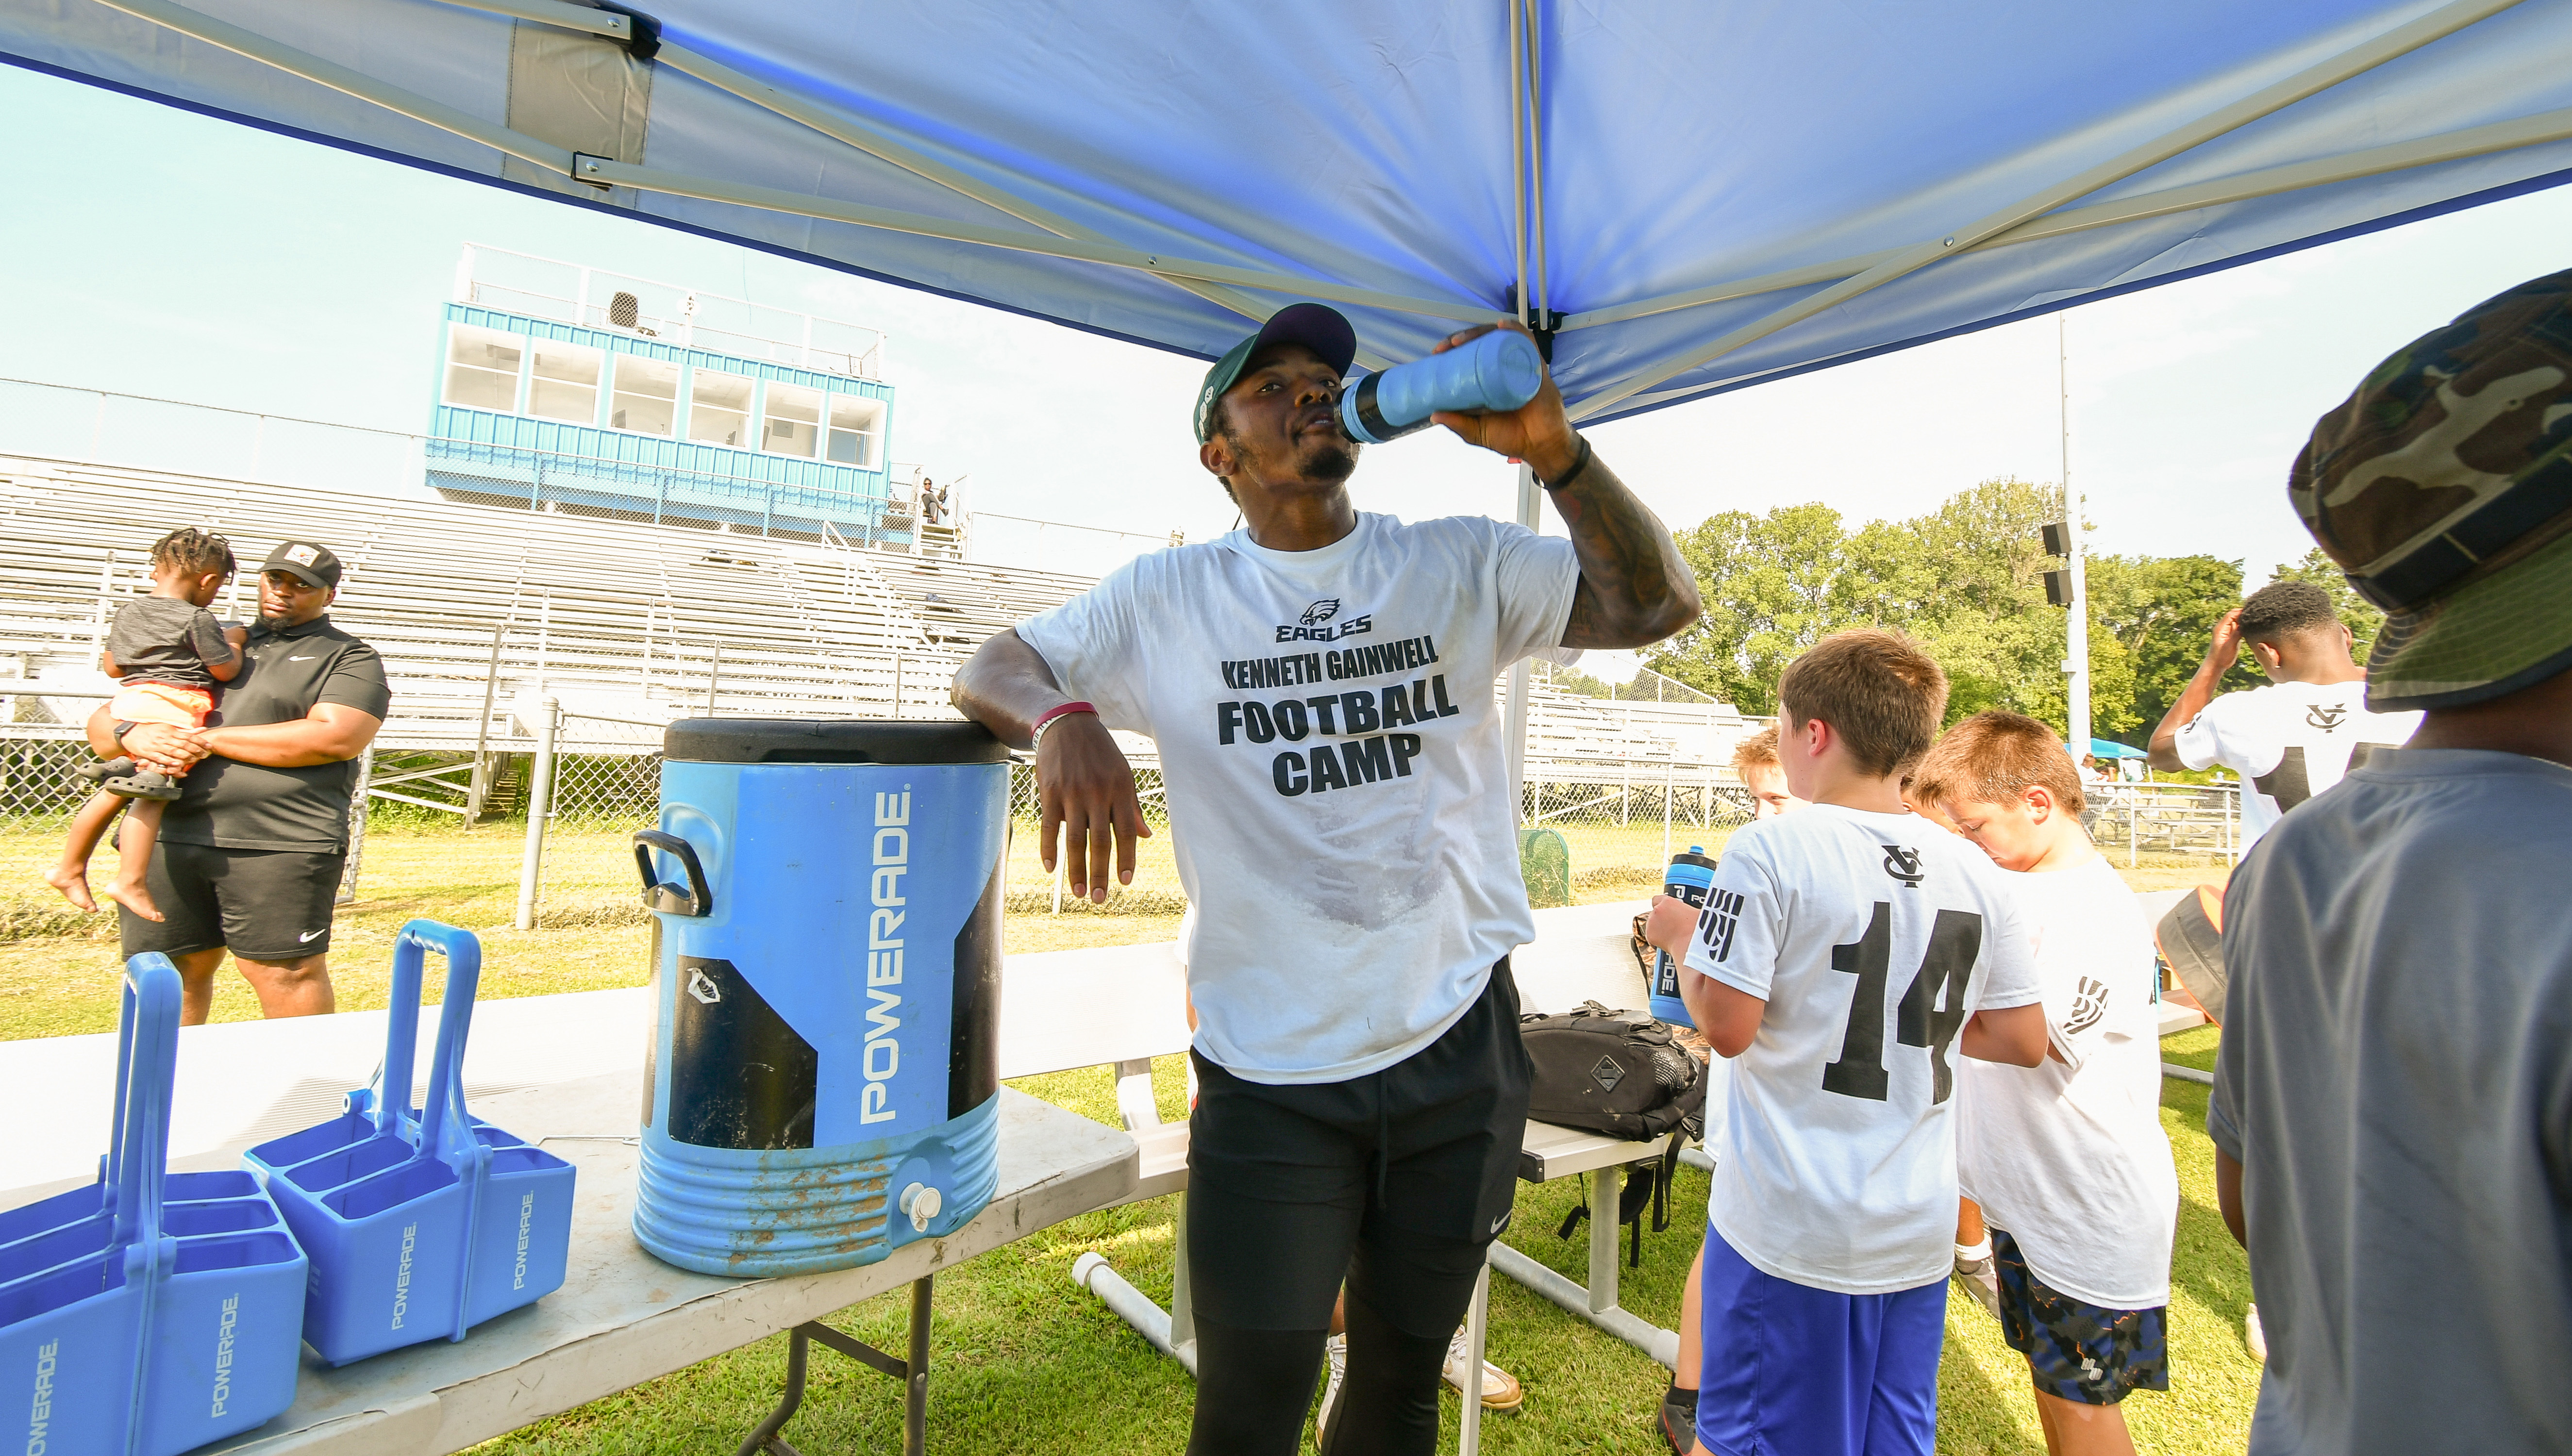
pixel 485 607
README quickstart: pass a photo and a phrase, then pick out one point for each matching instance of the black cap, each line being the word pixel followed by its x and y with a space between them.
pixel 1317 326
pixel 307 560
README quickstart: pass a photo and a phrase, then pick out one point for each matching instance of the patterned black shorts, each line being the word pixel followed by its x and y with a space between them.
pixel 2079 1351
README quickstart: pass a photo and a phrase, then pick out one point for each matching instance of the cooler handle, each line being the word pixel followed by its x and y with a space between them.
pixel 668 899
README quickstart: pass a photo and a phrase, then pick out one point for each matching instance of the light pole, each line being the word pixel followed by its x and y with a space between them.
pixel 2076 636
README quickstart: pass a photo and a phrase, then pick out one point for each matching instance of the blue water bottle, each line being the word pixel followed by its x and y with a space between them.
pixel 1499 371
pixel 1689 876
pixel 823 1082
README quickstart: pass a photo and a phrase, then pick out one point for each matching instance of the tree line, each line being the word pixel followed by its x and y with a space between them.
pixel 1967 580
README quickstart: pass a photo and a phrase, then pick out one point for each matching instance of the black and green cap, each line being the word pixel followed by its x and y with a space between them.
pixel 1317 326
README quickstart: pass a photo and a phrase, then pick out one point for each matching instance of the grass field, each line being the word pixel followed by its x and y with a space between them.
pixel 1023 1361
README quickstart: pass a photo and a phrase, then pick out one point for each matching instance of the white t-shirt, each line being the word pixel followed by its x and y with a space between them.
pixel 2288 741
pixel 1337 783
pixel 2070 1155
pixel 1872 937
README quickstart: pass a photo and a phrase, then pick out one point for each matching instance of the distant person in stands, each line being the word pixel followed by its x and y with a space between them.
pixel 2296 738
pixel 171 653
pixel 252 851
pixel 2071 1196
pixel 1755 762
pixel 2392 1102
pixel 933 502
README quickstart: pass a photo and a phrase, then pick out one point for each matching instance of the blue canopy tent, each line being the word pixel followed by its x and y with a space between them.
pixel 1697 197
pixel 2108 749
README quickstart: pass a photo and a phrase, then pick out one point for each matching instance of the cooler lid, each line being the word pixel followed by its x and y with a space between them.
pixel 828 740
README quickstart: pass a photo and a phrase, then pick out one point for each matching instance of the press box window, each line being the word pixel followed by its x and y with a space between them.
pixel 565 386
pixel 856 427
pixel 794 420
pixel 647 395
pixel 718 409
pixel 482 368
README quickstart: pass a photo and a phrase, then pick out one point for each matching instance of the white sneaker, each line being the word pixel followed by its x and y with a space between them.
pixel 1335 1350
pixel 2254 1337
pixel 1981 1280
pixel 1500 1388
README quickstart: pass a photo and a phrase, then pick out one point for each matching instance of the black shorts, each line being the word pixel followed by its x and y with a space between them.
pixel 1397 1181
pixel 2079 1351
pixel 263 904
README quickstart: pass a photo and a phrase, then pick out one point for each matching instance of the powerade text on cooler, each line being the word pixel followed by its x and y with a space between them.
pixel 1691 875
pixel 823 1076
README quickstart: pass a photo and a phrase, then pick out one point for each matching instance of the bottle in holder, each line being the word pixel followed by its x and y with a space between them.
pixel 1500 371
pixel 1688 878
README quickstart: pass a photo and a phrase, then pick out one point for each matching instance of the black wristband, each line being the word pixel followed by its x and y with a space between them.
pixel 118 730
pixel 1578 465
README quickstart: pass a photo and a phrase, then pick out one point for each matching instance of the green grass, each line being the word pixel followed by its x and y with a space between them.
pixel 1024 1361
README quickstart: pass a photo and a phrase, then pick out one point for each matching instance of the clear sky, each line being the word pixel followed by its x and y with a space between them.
pixel 153 252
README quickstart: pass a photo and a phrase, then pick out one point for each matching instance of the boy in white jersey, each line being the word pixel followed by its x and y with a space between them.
pixel 1844 955
pixel 2067 1158
pixel 2294 737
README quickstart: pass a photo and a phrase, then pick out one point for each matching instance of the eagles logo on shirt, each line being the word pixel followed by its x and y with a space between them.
pixel 1320 612
pixel 1904 865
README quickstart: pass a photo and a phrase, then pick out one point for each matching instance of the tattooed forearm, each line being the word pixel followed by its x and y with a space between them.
pixel 1634 590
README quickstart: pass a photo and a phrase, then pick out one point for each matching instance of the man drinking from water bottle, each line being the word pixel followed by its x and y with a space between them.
pixel 1319 684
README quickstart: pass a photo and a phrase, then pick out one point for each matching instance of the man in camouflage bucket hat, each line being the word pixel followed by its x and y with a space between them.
pixel 2392 1103
pixel 2451 465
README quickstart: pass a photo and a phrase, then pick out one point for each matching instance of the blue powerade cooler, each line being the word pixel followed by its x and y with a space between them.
pixel 1688 878
pixel 824 1077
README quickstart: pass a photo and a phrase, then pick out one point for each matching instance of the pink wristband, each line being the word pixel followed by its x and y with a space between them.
pixel 1035 735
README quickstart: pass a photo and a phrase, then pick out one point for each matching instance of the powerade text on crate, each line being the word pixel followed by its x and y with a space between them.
pixel 823 1083
pixel 1689 876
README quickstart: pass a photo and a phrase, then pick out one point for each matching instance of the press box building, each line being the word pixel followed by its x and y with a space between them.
pixel 573 390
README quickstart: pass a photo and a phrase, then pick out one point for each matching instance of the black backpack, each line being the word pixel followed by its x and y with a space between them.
pixel 1619 1074
pixel 1615 1072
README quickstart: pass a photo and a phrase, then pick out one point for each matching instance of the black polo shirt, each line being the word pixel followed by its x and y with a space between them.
pixel 286 675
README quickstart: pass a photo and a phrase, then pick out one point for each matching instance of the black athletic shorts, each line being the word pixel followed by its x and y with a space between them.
pixel 1397 1181
pixel 263 904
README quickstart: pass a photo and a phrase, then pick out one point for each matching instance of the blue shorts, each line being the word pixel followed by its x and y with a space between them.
pixel 1791 1370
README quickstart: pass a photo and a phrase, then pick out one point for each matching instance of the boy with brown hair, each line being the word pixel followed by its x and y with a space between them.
pixel 1754 761
pixel 169 653
pixel 1843 952
pixel 2065 1163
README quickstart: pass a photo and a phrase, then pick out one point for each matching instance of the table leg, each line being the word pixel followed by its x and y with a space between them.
pixel 798 1349
pixel 1477 1331
pixel 1606 1188
pixel 914 1410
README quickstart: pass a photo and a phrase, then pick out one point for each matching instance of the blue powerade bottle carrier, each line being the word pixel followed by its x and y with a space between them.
pixel 151 1311
pixel 824 1077
pixel 1688 878
pixel 420 1225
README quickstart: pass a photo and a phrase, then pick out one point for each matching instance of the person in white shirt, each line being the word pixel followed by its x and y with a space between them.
pixel 2066 1159
pixel 1845 953
pixel 2296 738
pixel 1319 685
pixel 1754 761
